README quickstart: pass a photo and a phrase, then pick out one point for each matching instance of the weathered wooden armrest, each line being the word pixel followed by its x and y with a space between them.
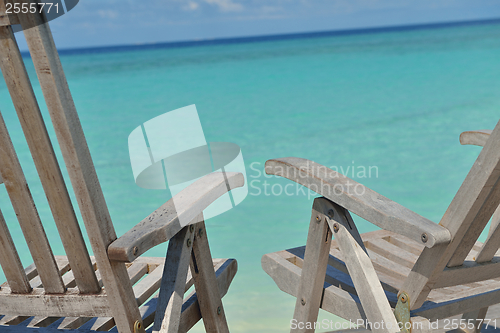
pixel 477 138
pixel 164 222
pixel 359 200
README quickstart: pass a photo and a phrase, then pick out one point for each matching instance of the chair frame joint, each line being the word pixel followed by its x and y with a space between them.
pixel 402 312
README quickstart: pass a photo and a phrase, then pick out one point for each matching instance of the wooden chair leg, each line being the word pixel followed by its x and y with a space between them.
pixel 169 306
pixel 207 291
pixel 312 278
pixel 363 275
pixel 476 317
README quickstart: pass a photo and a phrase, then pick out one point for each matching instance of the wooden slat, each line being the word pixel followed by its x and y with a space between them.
pixel 469 272
pixel 142 291
pixel 405 244
pixel 13 320
pixel 391 275
pixel 390 280
pixel 314 267
pixel 359 200
pixel 466 205
pixel 287 277
pixel 476 316
pixel 80 169
pixel 135 272
pixel 460 302
pixel 23 204
pixel 225 271
pixel 7 19
pixel 370 292
pixel 169 307
pixel 11 264
pixel 205 282
pixel 492 243
pixel 478 224
pixel 39 303
pixel 477 138
pixel 149 285
pixel 46 164
pixel 42 321
pixel 392 252
pixel 165 222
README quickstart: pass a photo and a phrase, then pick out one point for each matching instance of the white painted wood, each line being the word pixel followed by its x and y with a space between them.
pixel 359 199
pixel 477 138
pixel 164 222
pixel 314 267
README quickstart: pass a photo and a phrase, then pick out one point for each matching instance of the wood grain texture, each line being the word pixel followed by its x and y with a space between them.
pixel 11 264
pixel 359 199
pixel 225 270
pixel 285 267
pixel 370 292
pixel 169 306
pixel 205 283
pixel 38 303
pixel 24 206
pixel 476 138
pixel 492 242
pixel 469 272
pixel 475 200
pixel 286 275
pixel 80 169
pixel 314 268
pixel 7 19
pixel 476 316
pixel 47 166
pixel 164 223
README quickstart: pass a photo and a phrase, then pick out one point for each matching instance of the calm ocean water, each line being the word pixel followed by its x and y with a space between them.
pixel 395 101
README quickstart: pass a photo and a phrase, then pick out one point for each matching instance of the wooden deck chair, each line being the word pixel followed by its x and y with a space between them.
pixel 116 286
pixel 407 275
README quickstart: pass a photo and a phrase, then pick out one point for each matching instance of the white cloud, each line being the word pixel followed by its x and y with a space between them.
pixel 191 5
pixel 226 5
pixel 108 14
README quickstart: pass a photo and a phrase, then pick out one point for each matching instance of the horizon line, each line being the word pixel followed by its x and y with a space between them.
pixel 270 37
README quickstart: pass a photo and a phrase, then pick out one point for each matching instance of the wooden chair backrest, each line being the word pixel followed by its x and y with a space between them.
pixel 80 168
pixel 466 217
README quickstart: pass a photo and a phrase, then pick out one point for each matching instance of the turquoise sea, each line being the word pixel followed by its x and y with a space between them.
pixel 392 100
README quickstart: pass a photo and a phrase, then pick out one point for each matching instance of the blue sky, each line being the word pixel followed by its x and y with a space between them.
pixel 118 22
